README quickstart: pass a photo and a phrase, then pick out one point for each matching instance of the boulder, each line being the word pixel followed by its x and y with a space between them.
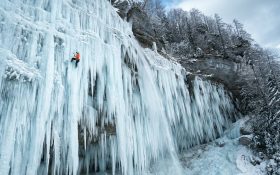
pixel 220 143
pixel 246 130
pixel 245 140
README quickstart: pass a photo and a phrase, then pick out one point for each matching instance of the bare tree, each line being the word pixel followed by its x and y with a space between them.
pixel 220 26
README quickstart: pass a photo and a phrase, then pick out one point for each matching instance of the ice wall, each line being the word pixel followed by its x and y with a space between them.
pixel 122 109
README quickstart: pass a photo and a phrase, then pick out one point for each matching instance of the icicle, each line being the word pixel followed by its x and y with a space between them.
pixel 155 47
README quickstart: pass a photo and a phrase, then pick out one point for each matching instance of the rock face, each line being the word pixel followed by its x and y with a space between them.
pixel 122 6
pixel 234 75
pixel 143 29
pixel 141 26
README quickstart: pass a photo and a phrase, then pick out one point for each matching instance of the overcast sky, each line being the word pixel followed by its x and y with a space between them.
pixel 261 18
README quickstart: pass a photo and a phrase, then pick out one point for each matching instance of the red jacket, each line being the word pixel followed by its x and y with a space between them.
pixel 77 56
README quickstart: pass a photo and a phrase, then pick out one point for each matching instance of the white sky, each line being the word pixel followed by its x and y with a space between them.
pixel 261 18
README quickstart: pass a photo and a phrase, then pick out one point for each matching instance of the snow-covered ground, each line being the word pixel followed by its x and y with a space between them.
pixel 224 156
pixel 212 159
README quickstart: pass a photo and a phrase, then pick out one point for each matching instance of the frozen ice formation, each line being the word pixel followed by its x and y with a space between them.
pixel 121 109
pixel 16 69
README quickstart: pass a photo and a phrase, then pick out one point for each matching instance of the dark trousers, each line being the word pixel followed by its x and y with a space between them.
pixel 77 61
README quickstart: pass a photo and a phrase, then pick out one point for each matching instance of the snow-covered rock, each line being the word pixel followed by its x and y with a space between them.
pixel 245 140
pixel 246 129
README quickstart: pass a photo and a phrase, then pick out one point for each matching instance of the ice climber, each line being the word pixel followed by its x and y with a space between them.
pixel 76 57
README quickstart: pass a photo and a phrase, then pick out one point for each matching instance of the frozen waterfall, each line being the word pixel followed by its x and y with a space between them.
pixel 122 109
